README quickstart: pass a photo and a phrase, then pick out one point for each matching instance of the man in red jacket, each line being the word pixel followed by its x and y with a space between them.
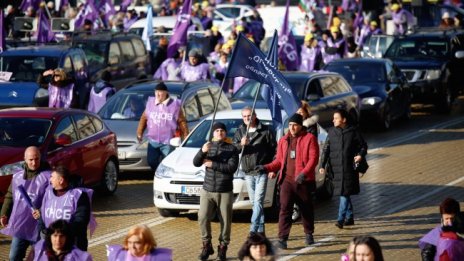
pixel 296 159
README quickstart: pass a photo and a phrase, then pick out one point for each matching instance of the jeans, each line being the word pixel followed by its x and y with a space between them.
pixel 18 249
pixel 256 186
pixel 345 209
pixel 155 151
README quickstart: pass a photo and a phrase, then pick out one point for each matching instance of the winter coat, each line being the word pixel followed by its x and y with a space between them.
pixel 341 148
pixel 261 148
pixel 219 177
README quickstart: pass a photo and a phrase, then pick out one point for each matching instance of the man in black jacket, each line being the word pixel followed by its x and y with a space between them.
pixel 220 159
pixel 258 144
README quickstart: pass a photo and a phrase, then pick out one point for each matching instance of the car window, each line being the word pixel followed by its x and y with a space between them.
pixel 67 64
pixel 200 135
pixel 79 63
pixel 329 86
pixel 139 47
pixel 27 68
pixel 65 126
pixel 95 52
pixel 85 127
pixel 224 103
pixel 206 102
pixel 230 12
pixel 314 88
pixel 97 123
pixel 128 52
pixel 23 132
pixel 125 105
pixel 190 109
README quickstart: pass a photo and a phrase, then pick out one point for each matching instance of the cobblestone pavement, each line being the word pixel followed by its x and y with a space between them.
pixel 398 204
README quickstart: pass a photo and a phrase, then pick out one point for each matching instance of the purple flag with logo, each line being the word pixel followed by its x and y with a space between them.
pixel 87 12
pixel 27 3
pixel 288 53
pixel 2 32
pixel 267 91
pixel 249 62
pixel 44 30
pixel 106 7
pixel 124 5
pixel 179 38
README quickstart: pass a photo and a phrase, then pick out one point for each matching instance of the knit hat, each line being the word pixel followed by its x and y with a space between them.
pixel 296 118
pixel 194 53
pixel 219 125
pixel 161 87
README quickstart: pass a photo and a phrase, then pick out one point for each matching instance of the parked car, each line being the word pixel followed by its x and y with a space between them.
pixel 430 15
pixel 122 54
pixel 325 92
pixel 177 183
pixel 433 63
pixel 26 63
pixel 376 45
pixel 77 139
pixel 381 86
pixel 198 100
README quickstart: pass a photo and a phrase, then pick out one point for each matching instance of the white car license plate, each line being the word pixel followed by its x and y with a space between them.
pixel 191 190
pixel 122 155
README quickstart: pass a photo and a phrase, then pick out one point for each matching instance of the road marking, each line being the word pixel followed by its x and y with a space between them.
pixel 426 195
pixel 306 249
pixel 122 232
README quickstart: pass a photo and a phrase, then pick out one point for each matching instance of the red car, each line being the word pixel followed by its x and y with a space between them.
pixel 77 139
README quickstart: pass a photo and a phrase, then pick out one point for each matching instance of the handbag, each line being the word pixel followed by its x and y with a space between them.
pixel 361 166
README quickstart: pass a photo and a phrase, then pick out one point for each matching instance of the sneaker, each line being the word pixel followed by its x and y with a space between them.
pixel 206 251
pixel 309 239
pixel 349 222
pixel 282 244
pixel 222 250
pixel 339 224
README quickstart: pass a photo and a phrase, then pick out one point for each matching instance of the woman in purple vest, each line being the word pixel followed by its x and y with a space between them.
pixel 196 69
pixel 402 19
pixel 101 92
pixel 58 245
pixel 60 88
pixel 311 56
pixel 169 69
pixel 139 244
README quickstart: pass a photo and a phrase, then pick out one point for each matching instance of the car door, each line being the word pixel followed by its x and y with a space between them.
pixel 91 147
pixel 129 65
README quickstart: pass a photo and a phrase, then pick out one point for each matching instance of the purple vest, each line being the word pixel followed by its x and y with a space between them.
pixel 308 58
pixel 97 100
pixel 191 73
pixel 64 207
pixel 162 119
pixel 168 71
pixel 22 224
pixel 454 248
pixel 402 19
pixel 117 253
pixel 40 253
pixel 363 34
pixel 431 237
pixel 60 97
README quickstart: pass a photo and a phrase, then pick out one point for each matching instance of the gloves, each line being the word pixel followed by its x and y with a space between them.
pixel 260 169
pixel 300 179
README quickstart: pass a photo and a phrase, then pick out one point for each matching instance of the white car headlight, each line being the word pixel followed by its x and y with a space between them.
pixel 432 74
pixel 12 168
pixel 370 100
pixel 163 171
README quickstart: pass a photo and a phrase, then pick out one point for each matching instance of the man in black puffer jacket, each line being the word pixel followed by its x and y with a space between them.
pixel 220 158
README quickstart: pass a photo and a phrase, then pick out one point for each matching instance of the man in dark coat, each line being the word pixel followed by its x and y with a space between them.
pixel 345 148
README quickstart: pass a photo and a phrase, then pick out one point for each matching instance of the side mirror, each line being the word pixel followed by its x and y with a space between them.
pixel 175 142
pixel 313 97
pixel 459 54
pixel 113 60
pixel 63 140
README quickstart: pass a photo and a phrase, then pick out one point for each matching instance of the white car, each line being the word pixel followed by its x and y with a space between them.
pixel 177 183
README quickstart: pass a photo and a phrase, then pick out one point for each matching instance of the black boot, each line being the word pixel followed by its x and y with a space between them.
pixel 222 250
pixel 206 251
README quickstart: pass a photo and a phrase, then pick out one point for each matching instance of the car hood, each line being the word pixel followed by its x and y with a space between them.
pixel 407 63
pixel 17 93
pixel 181 161
pixel 126 130
pixel 10 155
pixel 371 90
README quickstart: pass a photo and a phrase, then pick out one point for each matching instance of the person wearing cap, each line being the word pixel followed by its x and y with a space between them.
pixel 220 159
pixel 344 148
pixel 337 41
pixel 194 69
pixel 61 93
pixel 402 19
pixel 311 55
pixel 296 160
pixel 258 143
pixel 446 21
pixel 162 117
pixel 169 70
pixel 216 37
pixel 101 92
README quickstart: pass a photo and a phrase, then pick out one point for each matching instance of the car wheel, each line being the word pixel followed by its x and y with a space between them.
pixel 407 115
pixel 385 119
pixel 167 212
pixel 444 102
pixel 109 184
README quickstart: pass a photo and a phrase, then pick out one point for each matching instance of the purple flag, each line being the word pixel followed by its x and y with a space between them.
pixel 87 12
pixel 27 3
pixel 124 5
pixel 249 62
pixel 26 197
pixel 267 92
pixel 2 32
pixel 106 7
pixel 179 38
pixel 44 31
pixel 62 4
pixel 288 53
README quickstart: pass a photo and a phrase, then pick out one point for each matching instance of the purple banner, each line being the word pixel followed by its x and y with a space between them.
pixel 288 53
pixel 124 5
pixel 88 12
pixel 27 3
pixel 179 38
pixel 44 32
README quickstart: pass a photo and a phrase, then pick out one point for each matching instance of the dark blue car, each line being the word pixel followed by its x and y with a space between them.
pixel 383 89
pixel 25 65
